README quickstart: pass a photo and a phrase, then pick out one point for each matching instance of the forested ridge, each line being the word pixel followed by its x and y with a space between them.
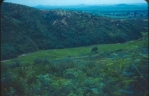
pixel 25 29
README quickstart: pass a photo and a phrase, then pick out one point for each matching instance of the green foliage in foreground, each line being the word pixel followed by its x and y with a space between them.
pixel 113 73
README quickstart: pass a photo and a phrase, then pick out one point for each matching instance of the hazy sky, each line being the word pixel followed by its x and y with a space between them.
pixel 71 2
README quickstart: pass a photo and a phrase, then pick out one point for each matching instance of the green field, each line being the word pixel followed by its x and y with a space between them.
pixel 80 71
pixel 74 52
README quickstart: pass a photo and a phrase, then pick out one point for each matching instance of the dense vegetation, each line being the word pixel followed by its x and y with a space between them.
pixel 99 70
pixel 71 53
pixel 26 29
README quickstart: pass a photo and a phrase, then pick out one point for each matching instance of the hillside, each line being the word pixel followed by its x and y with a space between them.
pixel 111 70
pixel 26 29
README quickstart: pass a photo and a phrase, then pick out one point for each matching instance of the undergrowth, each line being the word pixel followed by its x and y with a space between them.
pixel 121 71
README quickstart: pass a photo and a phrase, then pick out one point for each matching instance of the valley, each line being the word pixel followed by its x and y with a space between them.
pixel 65 52
pixel 28 29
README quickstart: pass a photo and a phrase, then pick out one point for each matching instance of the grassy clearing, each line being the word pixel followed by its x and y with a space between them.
pixel 55 54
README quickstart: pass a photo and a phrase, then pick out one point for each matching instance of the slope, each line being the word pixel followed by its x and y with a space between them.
pixel 26 29
pixel 122 67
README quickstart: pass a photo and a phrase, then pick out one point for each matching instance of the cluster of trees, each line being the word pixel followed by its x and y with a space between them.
pixel 28 29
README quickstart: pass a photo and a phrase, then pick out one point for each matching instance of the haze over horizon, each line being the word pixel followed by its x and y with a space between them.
pixel 72 2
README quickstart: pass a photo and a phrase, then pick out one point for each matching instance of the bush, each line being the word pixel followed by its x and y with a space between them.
pixel 39 61
pixel 8 51
pixel 15 64
pixel 94 49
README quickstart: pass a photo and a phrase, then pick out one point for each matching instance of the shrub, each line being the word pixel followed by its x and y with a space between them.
pixel 15 64
pixel 94 49
pixel 39 61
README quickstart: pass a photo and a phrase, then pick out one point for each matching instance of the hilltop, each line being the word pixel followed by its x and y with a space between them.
pixel 26 29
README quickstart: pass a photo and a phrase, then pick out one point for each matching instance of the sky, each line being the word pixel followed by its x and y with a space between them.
pixel 72 2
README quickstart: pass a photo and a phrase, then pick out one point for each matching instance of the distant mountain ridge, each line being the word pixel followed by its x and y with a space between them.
pixel 26 29
pixel 136 5
pixel 112 11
